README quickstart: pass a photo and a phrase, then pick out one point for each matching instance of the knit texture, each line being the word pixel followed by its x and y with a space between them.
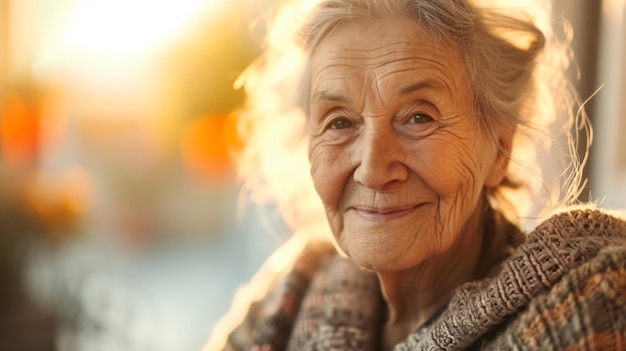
pixel 563 288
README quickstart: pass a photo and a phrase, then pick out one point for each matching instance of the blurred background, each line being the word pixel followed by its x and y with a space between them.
pixel 119 221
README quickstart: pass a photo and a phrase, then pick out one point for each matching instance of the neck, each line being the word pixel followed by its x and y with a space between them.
pixel 413 296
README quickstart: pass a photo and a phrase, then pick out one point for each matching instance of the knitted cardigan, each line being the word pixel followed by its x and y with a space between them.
pixel 563 288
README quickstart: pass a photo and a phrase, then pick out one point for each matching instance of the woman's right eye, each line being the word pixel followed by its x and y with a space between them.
pixel 340 124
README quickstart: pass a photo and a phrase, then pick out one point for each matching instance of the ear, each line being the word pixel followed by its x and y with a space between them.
pixel 504 145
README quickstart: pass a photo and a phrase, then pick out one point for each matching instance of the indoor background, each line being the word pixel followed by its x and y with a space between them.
pixel 120 225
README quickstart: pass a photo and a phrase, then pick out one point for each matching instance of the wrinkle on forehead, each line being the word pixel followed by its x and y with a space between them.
pixel 401 53
pixel 415 53
pixel 332 84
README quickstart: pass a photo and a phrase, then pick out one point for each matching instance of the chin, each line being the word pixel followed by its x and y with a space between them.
pixel 374 262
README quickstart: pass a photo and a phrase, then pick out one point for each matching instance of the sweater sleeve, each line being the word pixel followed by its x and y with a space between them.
pixel 586 310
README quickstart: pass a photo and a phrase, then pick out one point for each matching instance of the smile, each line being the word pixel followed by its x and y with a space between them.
pixel 384 213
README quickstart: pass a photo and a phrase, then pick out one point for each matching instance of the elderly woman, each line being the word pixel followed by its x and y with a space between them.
pixel 418 118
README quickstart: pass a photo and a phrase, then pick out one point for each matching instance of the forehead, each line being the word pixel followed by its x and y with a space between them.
pixel 390 48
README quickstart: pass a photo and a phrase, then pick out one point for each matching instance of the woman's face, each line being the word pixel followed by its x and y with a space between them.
pixel 396 153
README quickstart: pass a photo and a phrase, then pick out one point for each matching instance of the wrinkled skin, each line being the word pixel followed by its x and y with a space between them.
pixel 397 154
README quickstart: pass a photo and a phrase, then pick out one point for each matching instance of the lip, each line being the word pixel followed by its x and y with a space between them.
pixel 383 213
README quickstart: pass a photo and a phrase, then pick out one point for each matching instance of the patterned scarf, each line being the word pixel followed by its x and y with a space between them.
pixel 564 287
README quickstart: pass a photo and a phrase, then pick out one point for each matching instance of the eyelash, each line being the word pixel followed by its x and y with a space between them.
pixel 345 123
pixel 424 118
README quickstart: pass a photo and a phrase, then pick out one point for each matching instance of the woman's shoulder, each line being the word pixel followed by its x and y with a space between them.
pixel 583 221
pixel 579 256
pixel 271 291
pixel 570 238
pixel 559 245
pixel 564 285
pixel 586 307
pixel 569 245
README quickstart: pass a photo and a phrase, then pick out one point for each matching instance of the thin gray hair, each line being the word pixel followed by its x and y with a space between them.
pixel 517 74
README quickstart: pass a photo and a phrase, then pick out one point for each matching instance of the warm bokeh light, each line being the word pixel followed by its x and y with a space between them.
pixel 117 125
pixel 19 130
pixel 58 203
pixel 207 144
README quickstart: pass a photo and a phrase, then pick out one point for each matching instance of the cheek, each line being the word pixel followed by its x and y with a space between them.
pixel 330 167
pixel 455 171
pixel 452 171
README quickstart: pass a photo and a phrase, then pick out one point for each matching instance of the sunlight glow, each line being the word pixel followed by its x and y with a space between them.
pixel 113 46
pixel 126 28
pixel 107 54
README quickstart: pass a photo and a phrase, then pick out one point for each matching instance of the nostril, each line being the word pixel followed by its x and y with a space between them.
pixel 378 173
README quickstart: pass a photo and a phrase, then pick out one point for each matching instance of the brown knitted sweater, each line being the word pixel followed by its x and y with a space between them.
pixel 563 288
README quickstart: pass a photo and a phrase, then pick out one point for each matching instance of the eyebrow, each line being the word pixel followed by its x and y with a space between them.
pixel 402 91
pixel 328 96
pixel 425 84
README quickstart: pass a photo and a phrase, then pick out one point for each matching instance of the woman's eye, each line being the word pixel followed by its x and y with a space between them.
pixel 340 124
pixel 420 118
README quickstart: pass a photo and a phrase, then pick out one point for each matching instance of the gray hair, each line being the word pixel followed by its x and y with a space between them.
pixel 516 71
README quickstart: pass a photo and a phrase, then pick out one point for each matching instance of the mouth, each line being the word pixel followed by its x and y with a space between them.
pixel 383 213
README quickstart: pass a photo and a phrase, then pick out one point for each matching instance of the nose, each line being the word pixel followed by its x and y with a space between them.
pixel 379 158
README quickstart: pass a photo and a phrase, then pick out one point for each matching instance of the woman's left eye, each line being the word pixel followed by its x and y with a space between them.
pixel 420 118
